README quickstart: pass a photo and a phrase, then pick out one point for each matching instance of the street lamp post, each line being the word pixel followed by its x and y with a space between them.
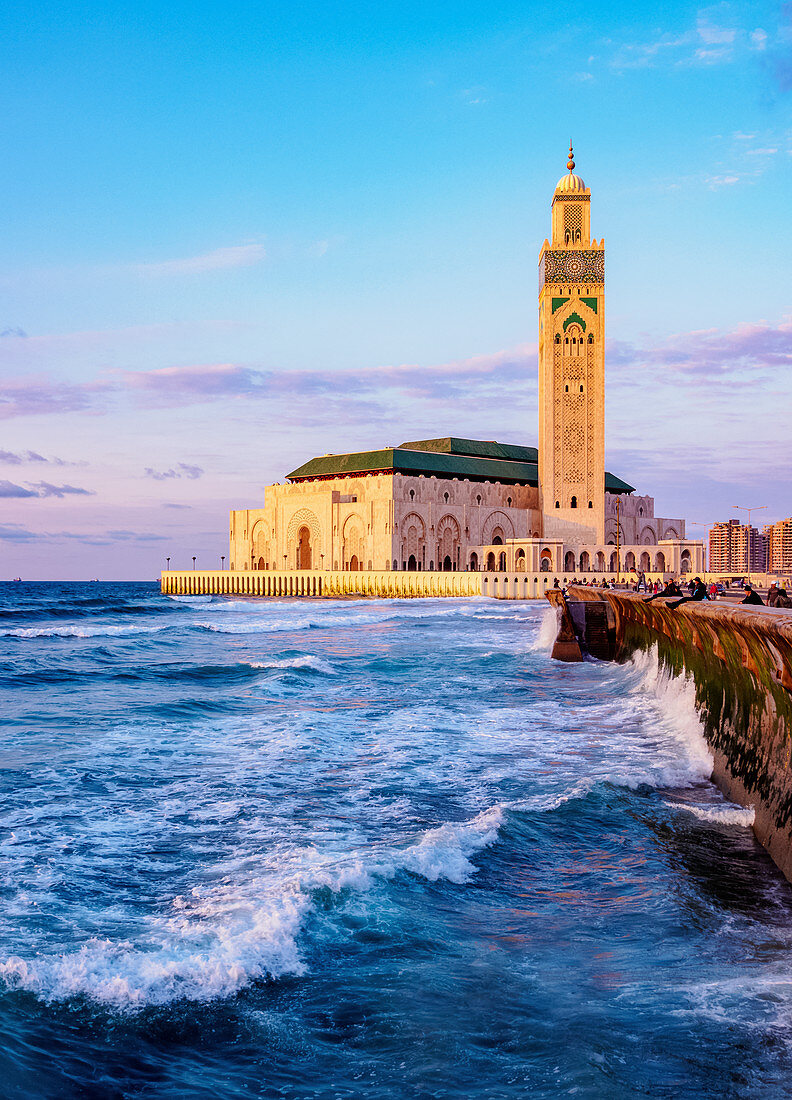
pixel 701 523
pixel 194 561
pixel 167 561
pixel 222 561
pixel 753 508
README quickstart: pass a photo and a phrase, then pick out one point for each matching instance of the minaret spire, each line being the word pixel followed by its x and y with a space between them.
pixel 571 161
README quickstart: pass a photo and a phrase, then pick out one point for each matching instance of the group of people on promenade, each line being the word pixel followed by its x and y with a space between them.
pixel 776 596
pixel 697 591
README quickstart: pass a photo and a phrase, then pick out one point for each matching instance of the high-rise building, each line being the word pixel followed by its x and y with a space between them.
pixel 736 547
pixel 779 546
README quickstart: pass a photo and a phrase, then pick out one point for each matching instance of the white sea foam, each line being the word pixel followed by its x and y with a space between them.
pixel 217 940
pixel 719 814
pixel 305 661
pixel 548 630
pixel 213 952
pixel 677 698
pixel 99 630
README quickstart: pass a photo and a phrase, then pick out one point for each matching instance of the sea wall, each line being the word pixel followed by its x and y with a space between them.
pixel 334 583
pixel 740 660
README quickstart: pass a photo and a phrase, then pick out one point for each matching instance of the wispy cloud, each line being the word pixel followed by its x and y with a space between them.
pixel 716 38
pixel 42 395
pixel 9 491
pixel 14 532
pixel 181 470
pixel 42 489
pixel 711 355
pixel 21 458
pixel 240 255
pixel 313 396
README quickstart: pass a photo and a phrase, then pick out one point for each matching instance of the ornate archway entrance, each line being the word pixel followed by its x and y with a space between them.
pixel 304 548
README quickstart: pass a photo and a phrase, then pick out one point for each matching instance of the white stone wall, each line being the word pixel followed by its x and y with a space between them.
pixel 380 521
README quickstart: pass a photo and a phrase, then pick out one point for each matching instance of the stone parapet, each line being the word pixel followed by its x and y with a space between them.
pixel 334 583
pixel 317 583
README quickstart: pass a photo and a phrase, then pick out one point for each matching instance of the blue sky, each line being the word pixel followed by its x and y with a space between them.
pixel 238 235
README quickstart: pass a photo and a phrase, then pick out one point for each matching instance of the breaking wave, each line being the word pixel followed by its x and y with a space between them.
pixel 217 941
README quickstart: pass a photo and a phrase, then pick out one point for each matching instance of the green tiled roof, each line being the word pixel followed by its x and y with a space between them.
pixel 405 460
pixel 471 459
pixel 476 448
pixel 615 484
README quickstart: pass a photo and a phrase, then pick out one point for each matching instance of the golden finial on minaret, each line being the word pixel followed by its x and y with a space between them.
pixel 571 161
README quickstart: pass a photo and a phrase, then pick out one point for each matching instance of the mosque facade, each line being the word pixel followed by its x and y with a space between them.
pixel 454 504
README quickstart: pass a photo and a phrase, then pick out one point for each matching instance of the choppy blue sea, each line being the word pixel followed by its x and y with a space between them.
pixel 366 848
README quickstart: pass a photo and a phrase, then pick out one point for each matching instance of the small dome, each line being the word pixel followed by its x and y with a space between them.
pixel 570 183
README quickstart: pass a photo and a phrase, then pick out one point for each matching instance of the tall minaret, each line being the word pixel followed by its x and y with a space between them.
pixel 572 369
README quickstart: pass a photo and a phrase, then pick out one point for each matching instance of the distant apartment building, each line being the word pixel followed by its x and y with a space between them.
pixel 737 548
pixel 779 546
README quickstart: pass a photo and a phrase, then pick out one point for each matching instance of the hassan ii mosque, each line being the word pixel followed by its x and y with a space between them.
pixel 467 504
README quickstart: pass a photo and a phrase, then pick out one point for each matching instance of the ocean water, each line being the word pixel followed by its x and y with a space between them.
pixel 367 848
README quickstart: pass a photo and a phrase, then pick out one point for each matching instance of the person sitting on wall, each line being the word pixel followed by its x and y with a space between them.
pixel 671 589
pixel 752 596
pixel 782 599
pixel 698 592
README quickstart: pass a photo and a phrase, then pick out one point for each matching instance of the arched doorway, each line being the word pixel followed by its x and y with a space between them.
pixel 686 563
pixel 474 563
pixel 519 563
pixel 304 548
pixel 569 561
pixel 413 541
pixel 261 563
pixel 354 542
pixel 412 562
pixel 502 561
pixel 497 537
pixel 490 562
pixel 629 561
pixel 448 544
pixel 614 562
pixel 600 562
pixel 646 564
pixel 585 562
pixel 660 562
